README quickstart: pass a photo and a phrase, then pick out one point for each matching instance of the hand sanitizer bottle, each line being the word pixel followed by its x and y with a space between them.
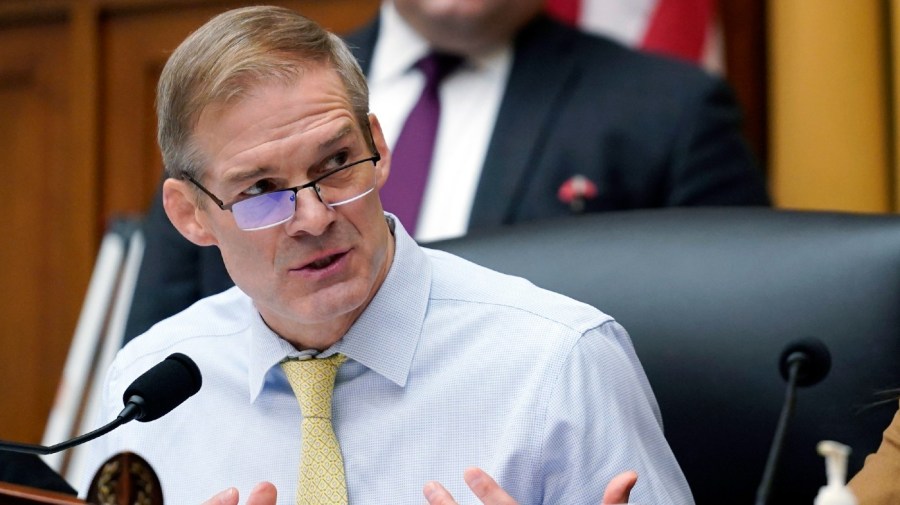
pixel 834 492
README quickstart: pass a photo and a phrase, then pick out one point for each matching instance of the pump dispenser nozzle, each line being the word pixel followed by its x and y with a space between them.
pixel 835 492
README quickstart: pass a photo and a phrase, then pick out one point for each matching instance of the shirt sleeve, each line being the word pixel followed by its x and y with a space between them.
pixel 603 420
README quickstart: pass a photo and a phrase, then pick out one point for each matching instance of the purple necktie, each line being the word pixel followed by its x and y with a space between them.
pixel 411 159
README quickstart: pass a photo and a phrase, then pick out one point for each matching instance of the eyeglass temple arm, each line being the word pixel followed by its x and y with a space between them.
pixel 215 199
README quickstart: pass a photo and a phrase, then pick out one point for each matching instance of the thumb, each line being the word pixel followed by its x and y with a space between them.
pixel 619 488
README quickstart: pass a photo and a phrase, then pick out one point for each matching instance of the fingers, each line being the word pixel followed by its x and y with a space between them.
pixel 436 494
pixel 485 488
pixel 263 494
pixel 619 488
pixel 227 497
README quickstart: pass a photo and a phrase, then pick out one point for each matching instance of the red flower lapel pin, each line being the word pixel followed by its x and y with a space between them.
pixel 576 191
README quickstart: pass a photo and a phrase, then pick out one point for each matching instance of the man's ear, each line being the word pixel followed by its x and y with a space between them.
pixel 383 168
pixel 180 202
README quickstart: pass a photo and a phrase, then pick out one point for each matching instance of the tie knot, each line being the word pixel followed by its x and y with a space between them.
pixel 313 383
pixel 436 65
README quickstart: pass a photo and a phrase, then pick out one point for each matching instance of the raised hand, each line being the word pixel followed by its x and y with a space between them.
pixel 490 493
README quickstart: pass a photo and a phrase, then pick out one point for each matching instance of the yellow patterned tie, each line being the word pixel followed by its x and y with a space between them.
pixel 321 466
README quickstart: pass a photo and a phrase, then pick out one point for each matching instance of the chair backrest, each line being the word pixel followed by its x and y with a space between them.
pixel 710 298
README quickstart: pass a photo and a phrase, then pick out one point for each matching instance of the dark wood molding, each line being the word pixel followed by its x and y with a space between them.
pixel 746 68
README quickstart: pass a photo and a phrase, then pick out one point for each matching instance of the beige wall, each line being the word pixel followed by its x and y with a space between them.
pixel 830 127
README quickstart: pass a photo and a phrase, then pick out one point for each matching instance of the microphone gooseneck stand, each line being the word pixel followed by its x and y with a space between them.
pixel 802 363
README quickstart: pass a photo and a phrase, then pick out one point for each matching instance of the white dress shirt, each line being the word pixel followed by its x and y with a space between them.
pixel 451 365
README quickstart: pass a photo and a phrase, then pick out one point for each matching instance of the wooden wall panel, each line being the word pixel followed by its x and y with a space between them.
pixel 42 284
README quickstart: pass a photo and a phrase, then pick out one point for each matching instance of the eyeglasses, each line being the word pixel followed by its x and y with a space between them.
pixel 336 187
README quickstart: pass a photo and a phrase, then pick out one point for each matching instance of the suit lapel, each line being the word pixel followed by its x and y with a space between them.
pixel 543 69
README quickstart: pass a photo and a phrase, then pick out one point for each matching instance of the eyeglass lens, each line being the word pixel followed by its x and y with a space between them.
pixel 264 210
pixel 270 209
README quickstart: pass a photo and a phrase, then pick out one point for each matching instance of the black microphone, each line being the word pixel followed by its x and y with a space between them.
pixel 802 363
pixel 161 389
pixel 151 396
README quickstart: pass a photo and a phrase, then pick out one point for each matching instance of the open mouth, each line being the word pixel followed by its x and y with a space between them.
pixel 324 262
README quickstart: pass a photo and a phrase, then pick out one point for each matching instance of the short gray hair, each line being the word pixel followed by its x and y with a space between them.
pixel 230 54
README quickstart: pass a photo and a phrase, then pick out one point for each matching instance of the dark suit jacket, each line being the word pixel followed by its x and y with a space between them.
pixel 648 131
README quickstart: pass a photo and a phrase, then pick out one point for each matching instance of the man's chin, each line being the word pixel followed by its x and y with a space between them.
pixel 329 304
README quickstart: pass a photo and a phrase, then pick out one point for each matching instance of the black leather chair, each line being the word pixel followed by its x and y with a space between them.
pixel 710 298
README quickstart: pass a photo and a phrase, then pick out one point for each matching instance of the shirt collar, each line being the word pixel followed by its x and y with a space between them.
pixel 383 339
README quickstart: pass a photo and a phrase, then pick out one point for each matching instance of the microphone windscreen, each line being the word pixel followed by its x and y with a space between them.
pixel 815 360
pixel 165 386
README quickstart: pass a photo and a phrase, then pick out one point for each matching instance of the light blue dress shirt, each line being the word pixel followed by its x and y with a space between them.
pixel 451 365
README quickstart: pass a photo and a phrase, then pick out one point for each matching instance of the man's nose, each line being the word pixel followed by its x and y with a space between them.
pixel 311 214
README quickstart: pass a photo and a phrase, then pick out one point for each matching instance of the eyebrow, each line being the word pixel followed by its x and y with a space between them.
pixel 246 175
pixel 337 137
pixel 260 171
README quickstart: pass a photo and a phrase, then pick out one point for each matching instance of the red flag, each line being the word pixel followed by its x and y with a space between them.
pixel 681 28
pixel 565 10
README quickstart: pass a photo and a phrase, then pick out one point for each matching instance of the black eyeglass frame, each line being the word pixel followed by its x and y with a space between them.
pixel 314 184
